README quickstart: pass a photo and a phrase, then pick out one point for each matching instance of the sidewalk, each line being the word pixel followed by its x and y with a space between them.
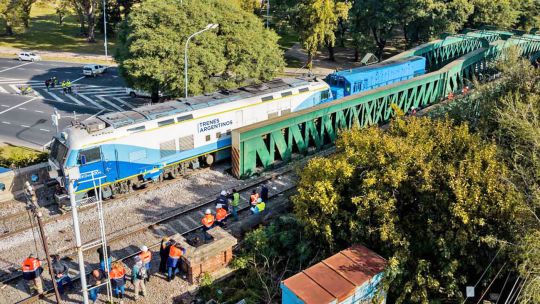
pixel 60 56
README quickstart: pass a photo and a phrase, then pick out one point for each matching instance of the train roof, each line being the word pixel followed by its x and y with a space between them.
pixel 151 112
pixel 383 64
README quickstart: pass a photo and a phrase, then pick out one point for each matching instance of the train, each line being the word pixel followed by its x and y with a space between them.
pixel 128 149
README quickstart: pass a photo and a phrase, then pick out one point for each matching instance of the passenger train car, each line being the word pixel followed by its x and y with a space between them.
pixel 133 147
pixel 129 149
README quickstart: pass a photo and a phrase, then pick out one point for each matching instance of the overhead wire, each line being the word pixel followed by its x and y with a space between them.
pixel 503 287
pixel 485 271
pixel 491 283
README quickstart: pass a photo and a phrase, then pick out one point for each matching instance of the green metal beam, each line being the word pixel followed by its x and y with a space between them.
pixel 269 143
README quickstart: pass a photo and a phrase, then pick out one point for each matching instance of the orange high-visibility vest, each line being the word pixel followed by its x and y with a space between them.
pixel 117 273
pixel 146 257
pixel 175 252
pixel 221 214
pixel 31 265
pixel 208 220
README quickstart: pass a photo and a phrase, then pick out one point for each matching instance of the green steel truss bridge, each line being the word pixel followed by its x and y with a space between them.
pixel 452 62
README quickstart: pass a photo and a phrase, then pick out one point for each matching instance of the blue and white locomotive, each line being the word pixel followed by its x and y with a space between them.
pixel 128 149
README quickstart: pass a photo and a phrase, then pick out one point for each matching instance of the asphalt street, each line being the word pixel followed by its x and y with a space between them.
pixel 26 119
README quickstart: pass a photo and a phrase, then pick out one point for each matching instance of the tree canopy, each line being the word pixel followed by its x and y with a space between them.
pixel 152 39
pixel 429 195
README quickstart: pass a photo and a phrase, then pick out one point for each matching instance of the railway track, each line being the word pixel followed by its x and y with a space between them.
pixel 18 222
pixel 182 220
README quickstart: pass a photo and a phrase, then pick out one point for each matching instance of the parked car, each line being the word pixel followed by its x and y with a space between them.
pixel 94 69
pixel 140 93
pixel 28 56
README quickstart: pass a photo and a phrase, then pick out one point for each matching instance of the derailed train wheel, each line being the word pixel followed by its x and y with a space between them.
pixel 209 159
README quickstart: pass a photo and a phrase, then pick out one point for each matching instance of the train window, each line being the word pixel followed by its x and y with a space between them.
pixel 165 122
pixel 185 117
pixel 325 94
pixel 137 129
pixel 302 90
pixel 167 148
pixel 285 94
pixel 186 143
pixel 89 156
pixel 267 98
pixel 207 137
pixel 218 135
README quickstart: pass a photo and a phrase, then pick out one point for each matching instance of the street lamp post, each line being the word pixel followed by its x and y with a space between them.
pixel 105 28
pixel 208 27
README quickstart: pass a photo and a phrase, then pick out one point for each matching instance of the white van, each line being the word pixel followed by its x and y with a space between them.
pixel 94 69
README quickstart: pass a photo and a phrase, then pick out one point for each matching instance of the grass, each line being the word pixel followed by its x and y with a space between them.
pixel 20 156
pixel 288 39
pixel 46 34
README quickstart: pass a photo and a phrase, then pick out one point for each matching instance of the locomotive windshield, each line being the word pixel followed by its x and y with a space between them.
pixel 58 151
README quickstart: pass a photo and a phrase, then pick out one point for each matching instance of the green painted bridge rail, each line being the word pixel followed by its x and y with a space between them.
pixel 276 141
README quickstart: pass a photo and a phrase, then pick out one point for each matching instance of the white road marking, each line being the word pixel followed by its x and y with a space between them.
pixel 55 96
pixel 109 103
pixel 5 106
pixel 75 99
pixel 25 126
pixel 22 108
pixel 123 102
pixel 91 101
pixel 5 122
pixel 38 111
pixel 38 94
pixel 3 90
pixel 73 81
pixel 14 87
pixel 17 66
pixel 16 106
pixel 44 130
pixel 68 72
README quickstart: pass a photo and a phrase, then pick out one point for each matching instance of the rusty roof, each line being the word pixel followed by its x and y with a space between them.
pixel 336 277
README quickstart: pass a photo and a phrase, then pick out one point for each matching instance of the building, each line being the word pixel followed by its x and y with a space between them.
pixel 350 276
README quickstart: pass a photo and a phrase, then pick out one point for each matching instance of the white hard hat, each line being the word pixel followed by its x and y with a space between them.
pixel 208 211
pixel 144 248
pixel 223 192
pixel 259 200
pixel 218 206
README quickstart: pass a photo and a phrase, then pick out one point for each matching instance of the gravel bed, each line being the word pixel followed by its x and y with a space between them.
pixel 139 208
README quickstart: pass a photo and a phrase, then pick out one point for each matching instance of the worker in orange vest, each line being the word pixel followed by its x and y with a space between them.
pixel 254 197
pixel 174 262
pixel 146 258
pixel 32 270
pixel 221 215
pixel 118 279
pixel 208 223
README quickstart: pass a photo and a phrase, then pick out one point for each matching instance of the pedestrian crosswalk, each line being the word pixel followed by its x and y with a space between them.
pixel 94 96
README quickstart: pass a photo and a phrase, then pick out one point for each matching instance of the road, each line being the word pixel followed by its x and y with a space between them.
pixel 26 119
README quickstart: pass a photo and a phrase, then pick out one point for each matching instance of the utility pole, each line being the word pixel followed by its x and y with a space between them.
pixel 208 27
pixel 267 12
pixel 72 177
pixel 105 28
pixel 32 205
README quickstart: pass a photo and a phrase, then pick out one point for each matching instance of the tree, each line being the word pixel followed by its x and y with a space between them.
pixel 501 13
pixel 151 47
pixel 429 195
pixel 26 7
pixel 11 13
pixel 317 22
pixel 62 8
pixel 86 10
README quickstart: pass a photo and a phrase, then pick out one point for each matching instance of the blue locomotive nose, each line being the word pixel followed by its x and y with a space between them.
pixel 337 92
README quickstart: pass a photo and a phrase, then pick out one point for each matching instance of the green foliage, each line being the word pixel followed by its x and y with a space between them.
pixel 500 13
pixel 17 157
pixel 317 23
pixel 429 195
pixel 268 256
pixel 152 40
pixel 529 257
